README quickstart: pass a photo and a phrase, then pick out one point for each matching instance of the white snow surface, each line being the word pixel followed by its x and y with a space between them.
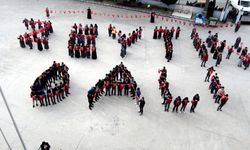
pixel 114 123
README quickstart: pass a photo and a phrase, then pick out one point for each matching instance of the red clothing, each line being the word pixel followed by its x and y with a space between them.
pixel 121 86
pixel 224 99
pixel 205 57
pixel 169 100
pixel 113 85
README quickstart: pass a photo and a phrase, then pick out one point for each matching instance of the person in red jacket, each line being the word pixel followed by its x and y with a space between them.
pixel 41 97
pixel 184 103
pixel 204 59
pixel 34 99
pixel 160 31
pixel 120 88
pixel 139 32
pixel 45 42
pixel 71 52
pixel 177 103
pixel 168 101
pixel 246 62
pixel 107 88
pixel 172 32
pixel 87 51
pixel 223 101
pixel 113 92
pixel 93 37
pixel 83 53
pixel 77 51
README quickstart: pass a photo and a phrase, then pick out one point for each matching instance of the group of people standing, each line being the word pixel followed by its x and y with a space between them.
pixel 217 50
pixel 216 88
pixel 118 81
pixel 51 86
pixel 80 35
pixel 244 58
pixel 167 96
pixel 167 35
pixel 44 29
pixel 123 39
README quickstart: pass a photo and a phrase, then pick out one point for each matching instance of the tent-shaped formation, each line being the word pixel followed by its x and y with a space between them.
pixel 117 82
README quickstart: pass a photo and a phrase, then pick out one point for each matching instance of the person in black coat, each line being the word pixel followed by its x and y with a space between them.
pixel 90 96
pixel 94 55
pixel 39 44
pixel 155 33
pixel 177 103
pixel 152 18
pixel 21 40
pixel 194 102
pixel 45 146
pixel 141 105
pixel 89 13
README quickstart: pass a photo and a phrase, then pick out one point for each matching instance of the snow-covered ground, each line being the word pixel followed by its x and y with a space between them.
pixel 114 124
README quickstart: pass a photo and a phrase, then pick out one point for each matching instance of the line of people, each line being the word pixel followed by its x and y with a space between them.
pixel 167 35
pixel 76 43
pixel 167 96
pixel 51 86
pixel 44 29
pixel 118 81
pixel 124 40
pixel 216 88
pixel 217 51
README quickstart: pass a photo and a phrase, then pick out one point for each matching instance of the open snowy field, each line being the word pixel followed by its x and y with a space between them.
pixel 114 123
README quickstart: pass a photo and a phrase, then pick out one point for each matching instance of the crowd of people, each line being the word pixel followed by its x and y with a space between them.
pixel 39 34
pixel 82 41
pixel 123 39
pixel 168 98
pixel 167 35
pixel 51 86
pixel 215 87
pixel 118 81
pixel 217 50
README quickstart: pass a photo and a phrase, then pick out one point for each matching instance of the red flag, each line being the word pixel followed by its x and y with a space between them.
pixel 69 11
pixel 162 18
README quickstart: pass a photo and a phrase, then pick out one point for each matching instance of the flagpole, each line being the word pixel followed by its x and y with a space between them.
pixel 5 139
pixel 12 118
